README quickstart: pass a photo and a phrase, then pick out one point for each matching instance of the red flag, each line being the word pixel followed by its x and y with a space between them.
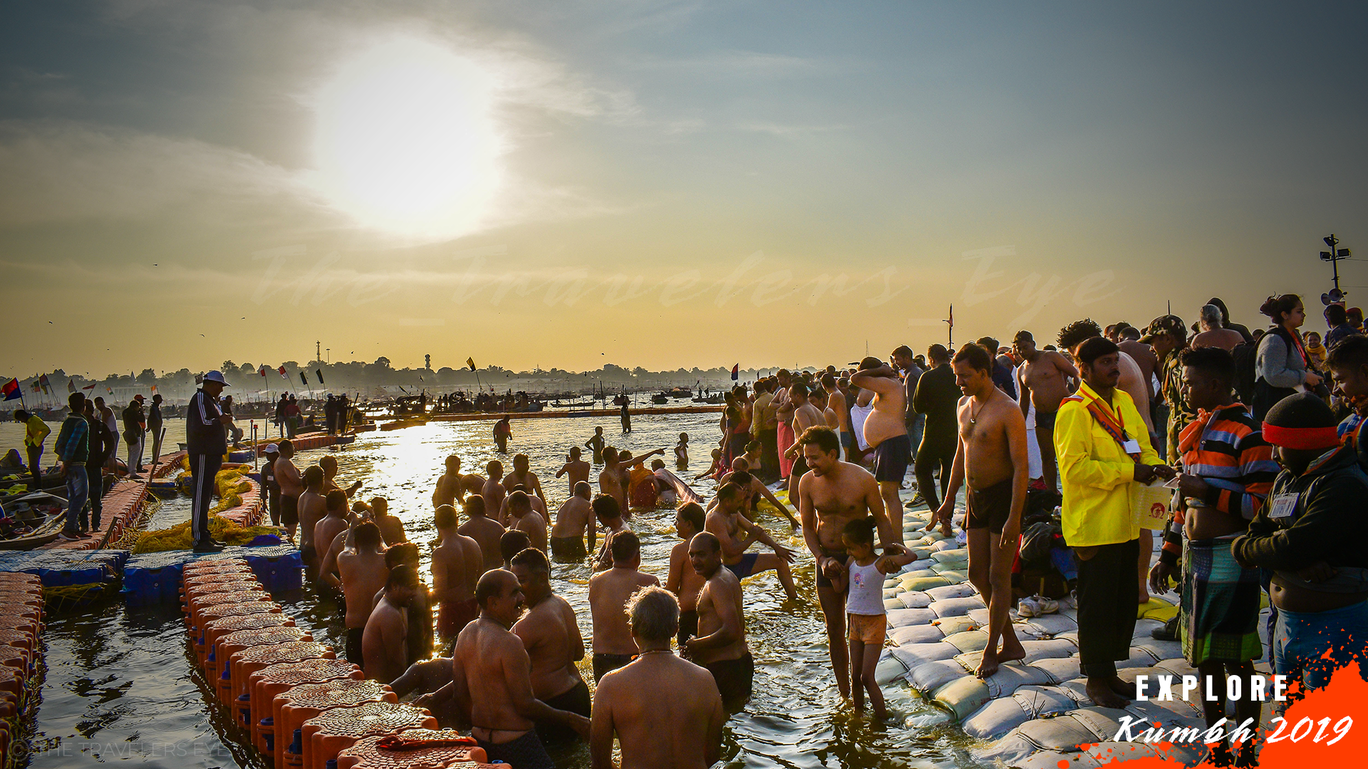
pixel 71 386
pixel 11 389
pixel 736 372
pixel 90 386
pixel 262 371
pixel 283 375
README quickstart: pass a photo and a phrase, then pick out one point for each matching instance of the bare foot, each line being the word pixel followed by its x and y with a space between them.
pixel 1102 695
pixel 988 664
pixel 1011 649
pixel 947 531
pixel 932 523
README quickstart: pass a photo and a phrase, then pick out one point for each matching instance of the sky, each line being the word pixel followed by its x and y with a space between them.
pixel 658 184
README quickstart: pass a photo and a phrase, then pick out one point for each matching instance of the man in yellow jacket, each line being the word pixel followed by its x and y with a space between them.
pixel 1103 447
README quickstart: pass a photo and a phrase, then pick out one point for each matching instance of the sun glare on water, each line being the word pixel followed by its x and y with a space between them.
pixel 405 140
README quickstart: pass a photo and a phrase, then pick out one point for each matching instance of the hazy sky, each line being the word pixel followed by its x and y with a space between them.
pixel 657 184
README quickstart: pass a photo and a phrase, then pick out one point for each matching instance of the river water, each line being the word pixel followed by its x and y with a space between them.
pixel 119 683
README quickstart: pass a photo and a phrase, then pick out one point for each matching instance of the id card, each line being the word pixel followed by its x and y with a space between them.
pixel 1283 506
pixel 1131 446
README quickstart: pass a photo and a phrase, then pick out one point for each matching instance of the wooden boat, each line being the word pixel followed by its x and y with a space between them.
pixel 31 521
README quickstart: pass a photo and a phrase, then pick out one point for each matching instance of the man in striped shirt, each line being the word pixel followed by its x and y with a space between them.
pixel 1228 470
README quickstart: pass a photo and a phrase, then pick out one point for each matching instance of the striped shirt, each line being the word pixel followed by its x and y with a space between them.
pixel 1226 449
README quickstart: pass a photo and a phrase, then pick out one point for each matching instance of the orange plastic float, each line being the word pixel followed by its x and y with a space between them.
pixel 268 683
pixel 248 661
pixel 212 631
pixel 367 753
pixel 312 700
pixel 324 736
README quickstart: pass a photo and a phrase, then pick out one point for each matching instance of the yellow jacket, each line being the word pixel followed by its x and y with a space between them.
pixel 1095 473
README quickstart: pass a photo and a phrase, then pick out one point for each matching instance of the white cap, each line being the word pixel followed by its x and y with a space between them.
pixel 215 376
pixel 271 448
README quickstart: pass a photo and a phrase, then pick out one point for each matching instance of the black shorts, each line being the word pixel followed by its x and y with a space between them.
pixel 526 752
pixel 891 459
pixel 576 700
pixel 289 510
pixel 745 567
pixel 607 663
pixel 800 466
pixel 839 555
pixel 1046 419
pixel 688 628
pixel 989 508
pixel 354 655
pixel 734 678
pixel 570 548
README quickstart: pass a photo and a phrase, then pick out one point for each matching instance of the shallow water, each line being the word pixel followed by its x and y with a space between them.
pixel 119 683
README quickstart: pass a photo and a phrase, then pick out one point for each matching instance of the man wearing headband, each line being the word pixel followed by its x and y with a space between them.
pixel 1311 533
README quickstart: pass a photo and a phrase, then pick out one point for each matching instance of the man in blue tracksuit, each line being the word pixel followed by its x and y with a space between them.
pixel 207 440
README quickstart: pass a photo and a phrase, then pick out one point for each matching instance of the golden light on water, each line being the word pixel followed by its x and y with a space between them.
pixel 405 140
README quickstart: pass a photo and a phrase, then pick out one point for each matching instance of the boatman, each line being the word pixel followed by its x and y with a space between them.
pixel 206 438
pixel 35 432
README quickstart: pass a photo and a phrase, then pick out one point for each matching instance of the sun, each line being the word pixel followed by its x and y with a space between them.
pixel 405 140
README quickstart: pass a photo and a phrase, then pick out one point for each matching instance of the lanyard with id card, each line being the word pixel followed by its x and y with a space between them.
pixel 1283 505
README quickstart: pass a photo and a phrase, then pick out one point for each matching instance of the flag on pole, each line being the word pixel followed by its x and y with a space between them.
pixel 303 379
pixel 951 320
pixel 11 390
pixel 47 386
pixel 470 362
pixel 319 373
pixel 736 372
pixel 262 372
pixel 154 389
pixel 71 386
pixel 110 390
pixel 283 375
pixel 90 386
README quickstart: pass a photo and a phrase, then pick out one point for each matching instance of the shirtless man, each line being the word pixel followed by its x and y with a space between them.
pixel 503 430
pixel 577 469
pixel 574 520
pixel 385 640
pixel 329 465
pixel 1044 378
pixel 804 415
pixel 493 491
pixel 521 517
pixel 683 581
pixel 522 475
pixel 741 475
pixel 449 486
pixel 312 507
pixel 885 430
pixel 836 402
pixel 833 494
pixel 552 638
pixel 457 563
pixel 363 573
pixel 726 523
pixel 391 528
pixel 333 522
pixel 1214 334
pixel 608 594
pixel 491 678
pixel 596 444
pixel 720 645
pixel 1128 339
pixel 609 514
pixel 484 530
pixel 610 478
pixel 993 459
pixel 682 731
pixel 291 486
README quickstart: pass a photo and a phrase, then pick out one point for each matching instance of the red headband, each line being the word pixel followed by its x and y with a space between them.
pixel 1301 437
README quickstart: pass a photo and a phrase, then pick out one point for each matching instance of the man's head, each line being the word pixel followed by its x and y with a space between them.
pixel 582 490
pixel 329 465
pixel 495 469
pixel 453 464
pixel 533 572
pixel 402 553
pixel 784 377
pixel 974 370
pixel 607 511
pixel 937 354
pixel 474 506
pixel 20 415
pixel 1127 333
pixel 1355 316
pixel 798 393
pixel 1208 377
pixel 213 383
pixel 518 504
pixel 1348 365
pixel 610 456
pixel 689 520
pixel 272 452
pixel 76 401
pixel 989 345
pixel 575 453
pixel 500 596
pixel 598 431
pixel 1210 317
pixel 336 503
pixel 626 549
pixel 705 553
pixel 379 506
pixel 520 463
pixel 1335 315
pixel 287 448
pixel 901 358
pixel 313 478
pixel 88 409
pixel 829 382
pixel 402 585
pixel 821 449
pixel 1300 427
pixel 511 543
pixel 1099 362
pixel 1165 334
pixel 445 518
pixel 1078 332
pixel 740 463
pixel 1023 344
pixel 653 614
pixel 367 536
pixel 730 497
pixel 624 457
pixel 99 402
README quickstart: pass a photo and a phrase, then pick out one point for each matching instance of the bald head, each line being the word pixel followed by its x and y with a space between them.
pixel 494 583
pixel 739 464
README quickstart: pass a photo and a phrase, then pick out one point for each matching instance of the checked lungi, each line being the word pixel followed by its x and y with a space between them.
pixel 1220 604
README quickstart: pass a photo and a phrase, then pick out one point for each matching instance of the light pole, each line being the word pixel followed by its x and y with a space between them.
pixel 1334 255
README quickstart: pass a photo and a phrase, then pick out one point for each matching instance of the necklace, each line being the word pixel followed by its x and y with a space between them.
pixel 973 415
pixel 655 651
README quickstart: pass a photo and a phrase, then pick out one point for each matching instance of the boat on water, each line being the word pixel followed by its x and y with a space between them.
pixel 31 520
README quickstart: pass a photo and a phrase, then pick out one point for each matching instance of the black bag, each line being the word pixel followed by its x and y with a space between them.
pixel 1037 540
pixel 1246 356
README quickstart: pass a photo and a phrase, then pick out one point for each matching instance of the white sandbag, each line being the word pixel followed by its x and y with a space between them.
pixel 915 655
pixel 1053 648
pixel 1062 734
pixel 1105 753
pixel 1102 722
pixel 952 625
pixel 963 699
pixel 924 582
pixel 950 554
pixel 1143 630
pixel 1059 669
pixel 962 590
pixel 914 599
pixel 891 591
pixel 968 641
pixel 933 675
pixel 890 604
pixel 916 634
pixel 1160 650
pixel 889 669
pixel 1004 714
pixel 1053 624
pixel 980 616
pixel 956 607
pixel 963 696
pixel 921 564
pixel 947 544
pixel 950 575
pixel 906 617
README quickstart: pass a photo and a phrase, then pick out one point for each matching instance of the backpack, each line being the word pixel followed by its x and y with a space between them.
pixel 1246 373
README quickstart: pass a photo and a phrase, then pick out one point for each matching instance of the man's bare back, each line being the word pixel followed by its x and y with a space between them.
pixel 608 594
pixel 573 518
pixel 576 470
pixel 1224 338
pixel 551 636
pixel 384 642
pixel 486 532
pixel 312 508
pixel 457 564
pixel 488 657
pixel 681 731
pixel 534 526
pixel 363 575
